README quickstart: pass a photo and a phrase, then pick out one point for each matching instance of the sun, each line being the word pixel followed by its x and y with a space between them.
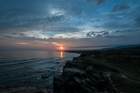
pixel 61 48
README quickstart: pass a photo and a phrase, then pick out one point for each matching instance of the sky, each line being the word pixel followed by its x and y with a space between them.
pixel 71 24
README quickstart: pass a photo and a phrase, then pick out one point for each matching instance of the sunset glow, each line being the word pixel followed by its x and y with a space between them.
pixel 61 48
pixel 61 55
pixel 70 25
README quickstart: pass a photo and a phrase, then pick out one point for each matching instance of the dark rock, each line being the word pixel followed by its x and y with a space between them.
pixel 75 79
pixel 97 53
pixel 84 54
pixel 45 76
pixel 57 62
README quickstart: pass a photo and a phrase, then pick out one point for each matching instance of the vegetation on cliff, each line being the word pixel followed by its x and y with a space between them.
pixel 102 71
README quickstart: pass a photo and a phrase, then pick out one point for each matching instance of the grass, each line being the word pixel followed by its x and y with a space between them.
pixel 123 64
pixel 131 71
pixel 124 84
pixel 130 84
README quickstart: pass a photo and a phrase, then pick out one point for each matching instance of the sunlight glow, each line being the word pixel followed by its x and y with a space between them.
pixel 57 12
pixel 61 55
pixel 61 48
pixel 22 43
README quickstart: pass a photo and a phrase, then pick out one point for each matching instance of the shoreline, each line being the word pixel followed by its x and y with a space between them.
pixel 45 77
pixel 101 71
pixel 96 71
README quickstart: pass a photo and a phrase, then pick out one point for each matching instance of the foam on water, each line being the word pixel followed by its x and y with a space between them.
pixel 26 69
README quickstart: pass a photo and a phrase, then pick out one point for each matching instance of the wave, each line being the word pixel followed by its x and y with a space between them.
pixel 36 63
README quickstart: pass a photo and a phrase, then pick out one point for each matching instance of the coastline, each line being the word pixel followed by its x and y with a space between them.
pixel 101 71
pixel 40 77
pixel 95 71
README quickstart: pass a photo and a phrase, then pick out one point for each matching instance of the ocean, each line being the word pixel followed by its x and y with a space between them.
pixel 26 68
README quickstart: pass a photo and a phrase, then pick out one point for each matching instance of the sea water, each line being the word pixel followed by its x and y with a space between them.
pixel 26 68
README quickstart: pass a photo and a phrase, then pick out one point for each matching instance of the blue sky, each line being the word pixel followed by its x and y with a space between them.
pixel 49 24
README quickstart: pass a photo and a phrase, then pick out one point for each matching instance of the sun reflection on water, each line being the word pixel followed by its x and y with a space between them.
pixel 61 54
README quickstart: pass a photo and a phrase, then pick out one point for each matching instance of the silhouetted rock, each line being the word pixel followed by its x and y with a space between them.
pixel 45 76
pixel 75 79
pixel 84 54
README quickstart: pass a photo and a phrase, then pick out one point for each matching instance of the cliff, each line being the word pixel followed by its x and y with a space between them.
pixel 80 76
pixel 97 72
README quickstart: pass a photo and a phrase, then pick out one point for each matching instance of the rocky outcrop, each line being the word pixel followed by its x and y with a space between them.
pixel 80 77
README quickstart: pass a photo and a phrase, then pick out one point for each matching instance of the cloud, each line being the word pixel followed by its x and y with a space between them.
pixel 73 42
pixel 117 37
pixel 134 1
pixel 90 34
pixel 126 31
pixel 13 33
pixel 12 13
pixel 62 29
pixel 8 36
pixel 117 8
pixel 65 22
pixel 138 8
pixel 30 24
pixel 137 22
pixel 106 33
pixel 21 34
pixel 95 46
pixel 96 34
pixel 98 2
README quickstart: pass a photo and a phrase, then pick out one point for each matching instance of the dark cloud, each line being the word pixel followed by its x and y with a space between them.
pixel 10 14
pixel 96 34
pixel 138 8
pixel 13 33
pixel 126 31
pixel 134 1
pixel 137 22
pixel 62 29
pixel 90 34
pixel 31 23
pixel 106 33
pixel 20 37
pixel 48 17
pixel 28 21
pixel 117 37
pixel 95 46
pixel 8 36
pixel 117 24
pixel 21 34
pixel 117 8
pixel 98 2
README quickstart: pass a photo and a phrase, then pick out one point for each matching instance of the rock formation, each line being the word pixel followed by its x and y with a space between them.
pixel 80 77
